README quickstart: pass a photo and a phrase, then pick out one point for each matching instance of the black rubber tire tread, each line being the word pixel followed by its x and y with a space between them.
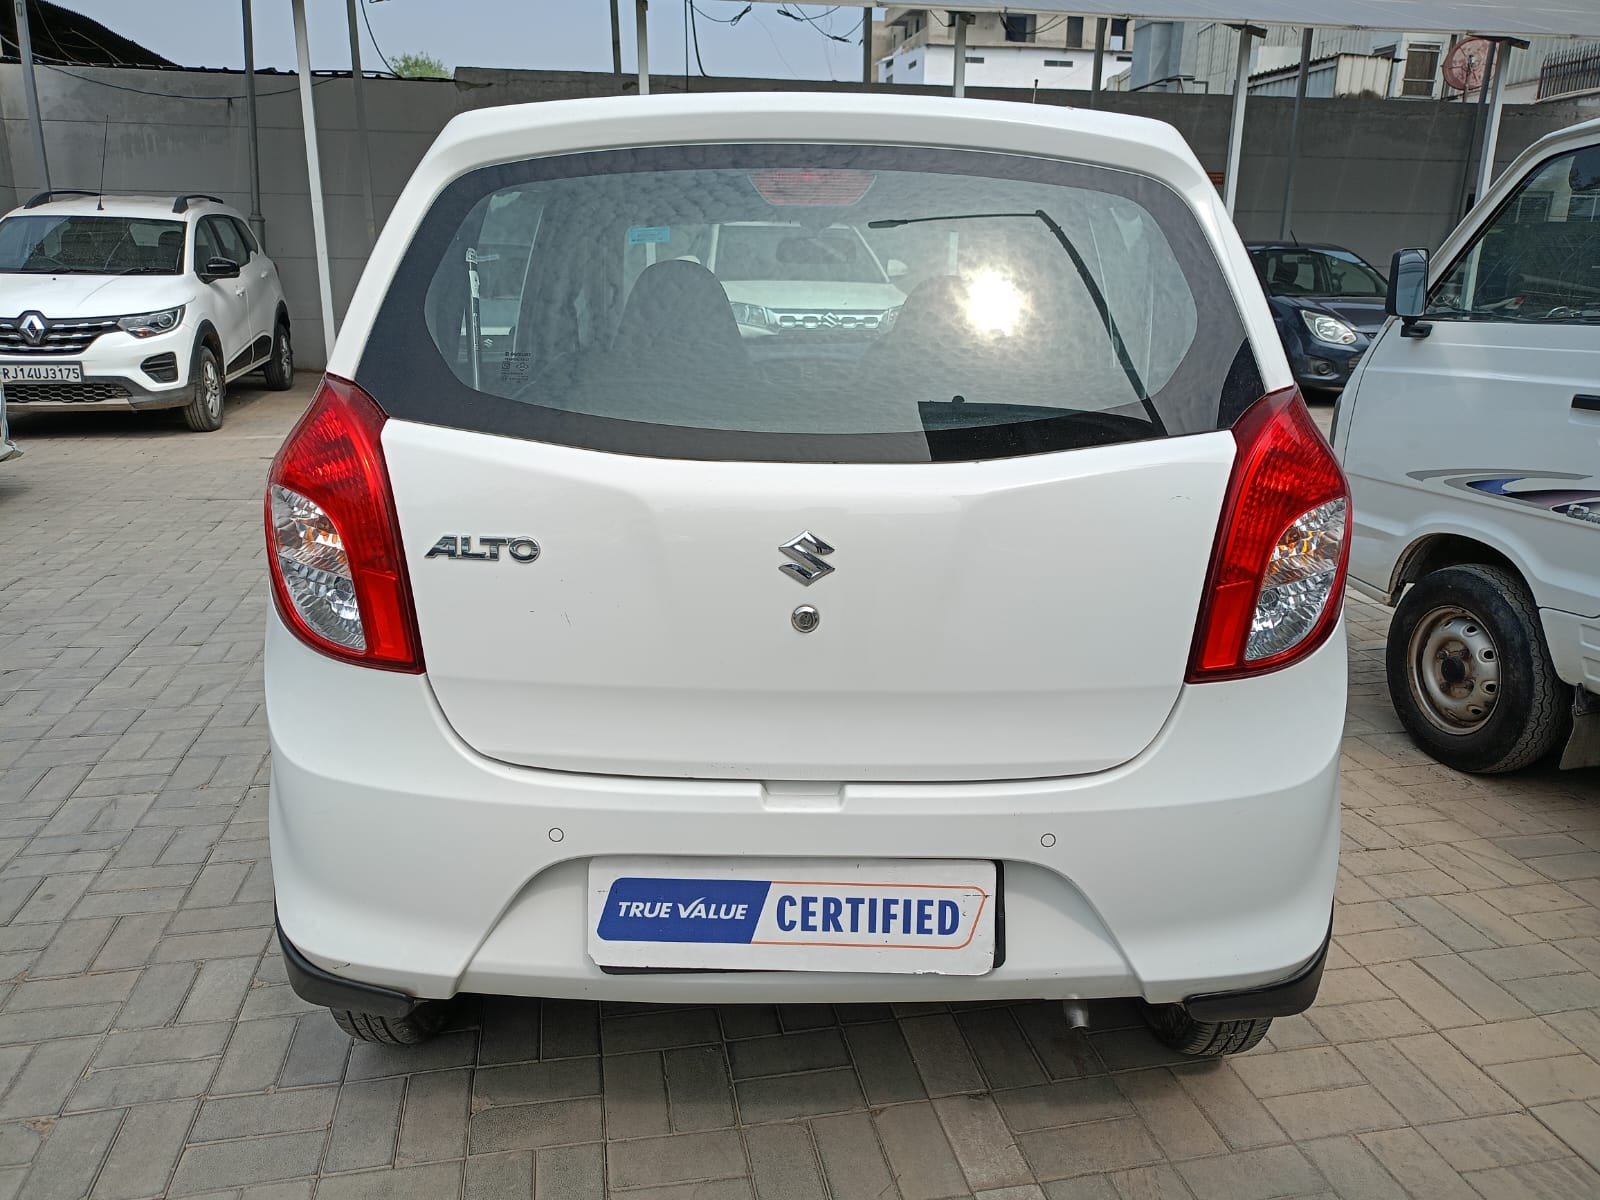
pixel 413 1029
pixel 1531 716
pixel 276 378
pixel 195 414
pixel 1177 1030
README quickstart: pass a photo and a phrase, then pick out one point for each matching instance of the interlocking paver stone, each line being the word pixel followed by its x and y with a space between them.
pixel 150 1045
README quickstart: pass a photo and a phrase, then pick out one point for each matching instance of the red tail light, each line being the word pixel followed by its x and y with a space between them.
pixel 813 186
pixel 1277 571
pixel 333 544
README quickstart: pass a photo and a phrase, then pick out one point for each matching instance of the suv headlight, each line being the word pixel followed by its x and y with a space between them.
pixel 753 315
pixel 1328 329
pixel 143 325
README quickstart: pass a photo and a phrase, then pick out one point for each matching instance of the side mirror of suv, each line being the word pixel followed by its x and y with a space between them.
pixel 219 268
pixel 1408 291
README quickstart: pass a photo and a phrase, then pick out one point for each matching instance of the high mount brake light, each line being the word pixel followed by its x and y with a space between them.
pixel 820 186
pixel 1277 574
pixel 333 543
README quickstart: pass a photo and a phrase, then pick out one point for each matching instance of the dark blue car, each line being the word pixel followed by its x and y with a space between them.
pixel 1327 303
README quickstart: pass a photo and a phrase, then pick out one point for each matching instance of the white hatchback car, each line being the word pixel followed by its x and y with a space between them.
pixel 136 302
pixel 993 653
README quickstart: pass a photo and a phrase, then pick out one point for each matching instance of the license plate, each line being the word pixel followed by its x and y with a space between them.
pixel 894 916
pixel 41 372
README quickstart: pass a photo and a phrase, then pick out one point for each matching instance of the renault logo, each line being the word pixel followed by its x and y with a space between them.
pixel 33 327
pixel 804 551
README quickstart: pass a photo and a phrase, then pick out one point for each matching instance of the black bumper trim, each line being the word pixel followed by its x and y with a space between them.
pixel 311 983
pixel 1293 995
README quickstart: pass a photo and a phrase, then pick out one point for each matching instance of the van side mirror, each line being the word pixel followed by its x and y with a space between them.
pixel 1407 297
pixel 895 269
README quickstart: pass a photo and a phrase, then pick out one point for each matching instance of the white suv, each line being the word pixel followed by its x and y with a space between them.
pixel 136 302
pixel 992 653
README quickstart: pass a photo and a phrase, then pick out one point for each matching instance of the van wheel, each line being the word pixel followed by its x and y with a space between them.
pixel 1469 672
pixel 279 369
pixel 203 414
pixel 1177 1030
pixel 416 1027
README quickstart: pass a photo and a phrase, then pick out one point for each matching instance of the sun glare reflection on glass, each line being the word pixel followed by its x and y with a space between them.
pixel 994 303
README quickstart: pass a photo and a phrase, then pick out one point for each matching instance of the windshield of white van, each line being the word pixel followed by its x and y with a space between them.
pixel 1538 257
pixel 811 303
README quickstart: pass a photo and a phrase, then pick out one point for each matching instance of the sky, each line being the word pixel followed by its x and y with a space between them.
pixel 530 34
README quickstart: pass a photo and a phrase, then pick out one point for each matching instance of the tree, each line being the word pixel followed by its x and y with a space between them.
pixel 420 66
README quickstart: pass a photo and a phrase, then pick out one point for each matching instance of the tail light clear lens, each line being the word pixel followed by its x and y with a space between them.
pixel 1277 571
pixel 338 578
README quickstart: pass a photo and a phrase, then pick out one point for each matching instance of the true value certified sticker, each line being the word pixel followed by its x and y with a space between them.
pixel 878 915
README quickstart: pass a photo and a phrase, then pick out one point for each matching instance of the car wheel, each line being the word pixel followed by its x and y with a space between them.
pixel 280 364
pixel 204 412
pixel 416 1027
pixel 1469 672
pixel 1177 1030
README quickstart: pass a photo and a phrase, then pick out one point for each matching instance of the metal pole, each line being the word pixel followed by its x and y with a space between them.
pixel 319 220
pixel 616 38
pixel 641 29
pixel 1468 167
pixel 866 45
pixel 257 222
pixel 1294 130
pixel 1491 129
pixel 1241 89
pixel 958 83
pixel 359 95
pixel 31 89
pixel 1100 28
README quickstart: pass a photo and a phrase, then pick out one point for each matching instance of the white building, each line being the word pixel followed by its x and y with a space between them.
pixel 917 46
pixel 1200 56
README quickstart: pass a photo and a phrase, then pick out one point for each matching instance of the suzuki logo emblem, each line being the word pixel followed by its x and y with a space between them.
pixel 33 327
pixel 804 550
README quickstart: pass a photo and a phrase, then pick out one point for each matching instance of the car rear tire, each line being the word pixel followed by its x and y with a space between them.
pixel 1177 1030
pixel 279 370
pixel 416 1027
pixel 1469 672
pixel 203 413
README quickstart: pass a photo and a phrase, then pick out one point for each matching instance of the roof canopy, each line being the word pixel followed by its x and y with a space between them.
pixel 1527 18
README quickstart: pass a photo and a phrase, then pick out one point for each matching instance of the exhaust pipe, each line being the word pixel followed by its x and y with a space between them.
pixel 1076 1012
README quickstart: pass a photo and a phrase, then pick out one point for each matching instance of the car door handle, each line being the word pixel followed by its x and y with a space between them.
pixel 1583 403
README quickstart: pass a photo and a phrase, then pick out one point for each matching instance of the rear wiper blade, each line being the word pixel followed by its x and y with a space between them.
pixel 1107 321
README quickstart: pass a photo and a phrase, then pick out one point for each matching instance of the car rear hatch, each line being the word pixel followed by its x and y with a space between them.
pixel 968 543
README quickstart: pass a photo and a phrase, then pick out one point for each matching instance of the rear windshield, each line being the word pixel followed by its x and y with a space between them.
pixel 811 303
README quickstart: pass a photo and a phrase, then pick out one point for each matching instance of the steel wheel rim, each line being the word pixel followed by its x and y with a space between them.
pixel 1453 667
pixel 285 355
pixel 211 386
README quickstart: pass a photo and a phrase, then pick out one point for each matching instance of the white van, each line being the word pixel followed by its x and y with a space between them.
pixel 1471 437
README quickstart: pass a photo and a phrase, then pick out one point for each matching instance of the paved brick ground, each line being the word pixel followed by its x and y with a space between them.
pixel 149 1045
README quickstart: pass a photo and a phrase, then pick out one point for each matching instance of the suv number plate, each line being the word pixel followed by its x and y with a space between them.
pixel 41 372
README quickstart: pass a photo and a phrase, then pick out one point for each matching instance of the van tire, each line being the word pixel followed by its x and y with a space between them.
pixel 1474 618
pixel 416 1027
pixel 1177 1030
pixel 209 388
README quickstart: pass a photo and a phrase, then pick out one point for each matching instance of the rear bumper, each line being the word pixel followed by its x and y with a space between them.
pixel 405 862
